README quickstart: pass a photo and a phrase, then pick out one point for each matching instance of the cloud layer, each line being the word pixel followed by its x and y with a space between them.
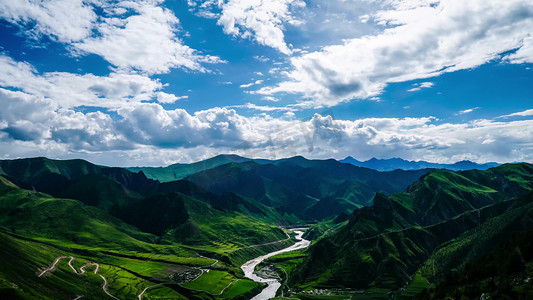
pixel 261 20
pixel 40 127
pixel 131 35
pixel 71 90
pixel 128 117
pixel 420 39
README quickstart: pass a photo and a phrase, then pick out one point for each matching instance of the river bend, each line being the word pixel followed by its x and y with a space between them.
pixel 273 284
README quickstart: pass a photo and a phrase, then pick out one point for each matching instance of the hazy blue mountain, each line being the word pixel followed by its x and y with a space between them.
pixel 398 163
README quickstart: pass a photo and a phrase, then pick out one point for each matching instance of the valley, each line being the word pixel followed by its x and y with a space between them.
pixel 218 229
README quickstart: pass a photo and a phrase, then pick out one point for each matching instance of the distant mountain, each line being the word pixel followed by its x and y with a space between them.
pixel 311 189
pixel 398 163
pixel 384 246
pixel 180 171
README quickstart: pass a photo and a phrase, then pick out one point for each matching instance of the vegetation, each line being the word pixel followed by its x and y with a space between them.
pixel 184 232
pixel 394 244
pixel 38 228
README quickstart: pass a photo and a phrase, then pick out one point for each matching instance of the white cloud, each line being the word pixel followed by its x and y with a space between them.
pixel 262 20
pixel 29 118
pixel 71 90
pixel 63 20
pixel 270 98
pixel 145 133
pixel 247 85
pixel 525 113
pixel 145 39
pixel 421 39
pixel 524 54
pixel 163 97
pixel 423 85
pixel 264 107
pixel 261 58
pixel 467 111
pixel 150 124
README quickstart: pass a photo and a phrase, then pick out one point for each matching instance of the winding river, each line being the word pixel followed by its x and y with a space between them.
pixel 273 284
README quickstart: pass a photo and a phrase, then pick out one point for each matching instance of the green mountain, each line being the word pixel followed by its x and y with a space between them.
pixel 290 190
pixel 494 259
pixel 382 247
pixel 311 189
pixel 180 171
pixel 37 228
pixel 403 234
pixel 176 211
pixel 35 214
pixel 47 175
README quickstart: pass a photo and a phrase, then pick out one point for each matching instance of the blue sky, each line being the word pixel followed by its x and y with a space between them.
pixel 157 82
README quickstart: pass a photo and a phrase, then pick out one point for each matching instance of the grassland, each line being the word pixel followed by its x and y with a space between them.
pixel 36 228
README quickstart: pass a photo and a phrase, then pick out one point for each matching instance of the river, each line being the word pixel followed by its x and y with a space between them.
pixel 273 284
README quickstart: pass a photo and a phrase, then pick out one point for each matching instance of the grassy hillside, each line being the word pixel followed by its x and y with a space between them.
pixel 36 228
pixel 312 190
pixel 382 247
pixel 180 171
pixel 48 175
pixel 175 212
pixel 31 214
pixel 297 188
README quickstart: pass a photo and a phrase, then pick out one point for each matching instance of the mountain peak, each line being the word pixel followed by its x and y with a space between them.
pixel 389 164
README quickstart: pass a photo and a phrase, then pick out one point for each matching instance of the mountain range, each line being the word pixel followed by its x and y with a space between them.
pixel 375 234
pixel 408 241
pixel 398 163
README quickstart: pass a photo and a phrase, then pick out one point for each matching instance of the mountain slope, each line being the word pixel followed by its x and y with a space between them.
pixel 384 245
pixel 34 214
pixel 166 210
pixel 47 175
pixel 304 187
pixel 180 171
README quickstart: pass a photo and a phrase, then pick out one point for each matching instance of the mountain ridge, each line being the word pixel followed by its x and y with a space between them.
pixel 383 245
pixel 399 163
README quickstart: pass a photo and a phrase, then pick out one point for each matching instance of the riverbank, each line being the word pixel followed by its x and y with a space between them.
pixel 273 284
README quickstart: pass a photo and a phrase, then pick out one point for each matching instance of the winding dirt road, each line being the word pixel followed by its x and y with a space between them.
pixel 104 287
pixel 81 272
pixel 52 267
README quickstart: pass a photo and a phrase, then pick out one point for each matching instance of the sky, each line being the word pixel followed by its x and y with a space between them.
pixel 153 82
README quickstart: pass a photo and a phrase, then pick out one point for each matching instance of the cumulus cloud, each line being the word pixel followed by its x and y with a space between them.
pixel 31 118
pixel 62 20
pixel 71 90
pixel 421 39
pixel 150 124
pixel 163 97
pixel 262 20
pixel 139 35
pixel 419 86
pixel 247 85
pixel 525 113
pixel 33 125
pixel 145 41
